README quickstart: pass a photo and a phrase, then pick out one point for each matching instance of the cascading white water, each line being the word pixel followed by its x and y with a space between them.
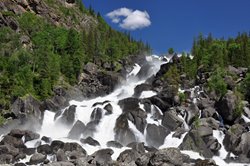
pixel 105 129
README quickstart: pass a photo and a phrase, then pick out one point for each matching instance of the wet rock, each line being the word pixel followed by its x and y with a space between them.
pixel 123 134
pixel 178 133
pixel 161 104
pixel 128 157
pixel 210 122
pixel 44 149
pixel 56 145
pixel 140 88
pixel 243 147
pixel 171 156
pixel 28 106
pixel 6 158
pixel 90 128
pixel 193 141
pixel 171 121
pixel 205 162
pixel 46 139
pixel 29 135
pixel 74 147
pixel 209 112
pixel 204 103
pixel 192 112
pixel 77 129
pixel 8 149
pixel 129 104
pixel 137 146
pixel 96 114
pixel 26 134
pixel 143 159
pixel 102 157
pixel 29 151
pixel 100 103
pixel 233 137
pixel 15 142
pixel 226 107
pixel 138 117
pixel 60 155
pixel 156 113
pixel 204 131
pixel 109 109
pixel 68 116
pixel 155 135
pixel 213 144
pixel 114 144
pixel 90 141
pixel 37 158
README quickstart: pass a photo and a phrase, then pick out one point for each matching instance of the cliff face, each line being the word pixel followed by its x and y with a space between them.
pixel 66 13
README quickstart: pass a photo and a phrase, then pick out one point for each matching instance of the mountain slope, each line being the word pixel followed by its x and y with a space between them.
pixel 46 44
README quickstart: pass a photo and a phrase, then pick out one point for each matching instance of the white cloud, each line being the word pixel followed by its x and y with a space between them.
pixel 129 19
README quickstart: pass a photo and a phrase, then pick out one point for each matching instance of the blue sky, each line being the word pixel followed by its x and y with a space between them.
pixel 175 23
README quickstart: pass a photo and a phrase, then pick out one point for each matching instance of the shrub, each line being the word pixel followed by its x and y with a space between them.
pixel 216 83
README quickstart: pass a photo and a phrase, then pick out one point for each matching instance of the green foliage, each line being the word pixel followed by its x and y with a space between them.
pixel 171 51
pixel 245 87
pixel 239 105
pixel 56 55
pixel 2 120
pixel 216 83
pixel 182 97
pixel 172 76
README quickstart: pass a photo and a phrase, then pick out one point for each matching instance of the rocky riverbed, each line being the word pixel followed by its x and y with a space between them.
pixel 143 121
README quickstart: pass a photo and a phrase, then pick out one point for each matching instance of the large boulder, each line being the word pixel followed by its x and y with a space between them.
pixel 90 129
pixel 192 112
pixel 194 142
pixel 76 130
pixel 90 68
pixel 37 158
pixel 233 137
pixel 140 88
pixel 129 104
pixel 137 146
pixel 227 106
pixel 68 116
pixel 138 117
pixel 90 141
pixel 44 149
pixel 128 157
pixel 114 144
pixel 30 108
pixel 155 135
pixel 26 134
pixel 171 120
pixel 102 157
pixel 169 156
pixel 108 109
pixel 96 114
pixel 123 133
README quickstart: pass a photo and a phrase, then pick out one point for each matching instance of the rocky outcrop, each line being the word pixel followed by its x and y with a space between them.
pixel 227 106
pixel 49 12
pixel 77 129
pixel 155 135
